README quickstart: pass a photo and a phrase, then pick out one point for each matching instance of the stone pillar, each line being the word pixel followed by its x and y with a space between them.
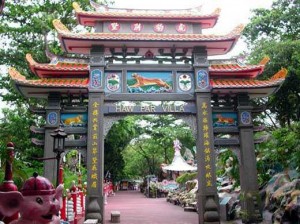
pixel 95 144
pixel 208 200
pixel 52 122
pixel 250 199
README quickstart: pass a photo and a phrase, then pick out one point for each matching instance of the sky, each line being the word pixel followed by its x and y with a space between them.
pixel 233 13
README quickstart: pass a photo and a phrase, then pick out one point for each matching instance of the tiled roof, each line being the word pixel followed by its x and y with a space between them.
pixel 108 14
pixel 233 67
pixel 70 69
pixel 216 83
pixel 278 78
pixel 238 70
pixel 64 32
pixel 81 43
pixel 61 68
pixel 48 82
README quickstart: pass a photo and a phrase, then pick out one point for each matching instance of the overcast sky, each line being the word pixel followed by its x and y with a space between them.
pixel 233 12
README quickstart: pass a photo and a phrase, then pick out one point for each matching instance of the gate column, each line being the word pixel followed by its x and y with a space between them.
pixel 250 199
pixel 208 200
pixel 95 140
pixel 52 122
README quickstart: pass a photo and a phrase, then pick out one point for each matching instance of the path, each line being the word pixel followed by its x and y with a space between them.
pixel 135 208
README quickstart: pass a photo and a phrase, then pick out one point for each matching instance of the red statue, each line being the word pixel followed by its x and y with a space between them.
pixel 37 202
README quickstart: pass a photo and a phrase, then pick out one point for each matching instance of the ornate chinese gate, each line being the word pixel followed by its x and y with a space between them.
pixel 81 92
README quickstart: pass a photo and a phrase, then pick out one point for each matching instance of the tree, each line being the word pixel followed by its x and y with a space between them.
pixel 282 150
pixel 27 28
pixel 121 133
pixel 154 146
pixel 15 128
pixel 275 32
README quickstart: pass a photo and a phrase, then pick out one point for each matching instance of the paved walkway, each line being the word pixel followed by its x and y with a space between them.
pixel 135 208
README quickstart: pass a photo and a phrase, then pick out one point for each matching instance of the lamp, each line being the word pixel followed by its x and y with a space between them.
pixel 59 135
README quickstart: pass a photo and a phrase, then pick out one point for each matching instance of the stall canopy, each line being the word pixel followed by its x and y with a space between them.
pixel 178 163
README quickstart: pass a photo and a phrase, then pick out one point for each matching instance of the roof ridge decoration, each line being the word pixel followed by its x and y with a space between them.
pixel 234 61
pixel 237 30
pixel 77 7
pixel 101 7
pixel 59 26
pixel 62 29
pixel 264 61
pixel 102 10
pixel 55 82
pixel 15 75
pixel 30 59
pixel 280 75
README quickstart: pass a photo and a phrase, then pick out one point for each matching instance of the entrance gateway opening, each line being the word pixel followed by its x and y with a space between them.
pixel 115 68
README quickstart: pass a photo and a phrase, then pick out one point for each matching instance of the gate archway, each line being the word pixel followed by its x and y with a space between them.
pixel 219 92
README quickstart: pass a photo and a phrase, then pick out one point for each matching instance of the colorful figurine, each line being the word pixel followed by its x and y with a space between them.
pixel 37 202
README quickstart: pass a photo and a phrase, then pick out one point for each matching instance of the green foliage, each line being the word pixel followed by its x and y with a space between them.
pixel 154 144
pixel 116 140
pixel 275 32
pixel 228 165
pixel 281 151
pixel 182 179
pixel 70 176
pixel 15 128
pixel 278 23
pixel 26 27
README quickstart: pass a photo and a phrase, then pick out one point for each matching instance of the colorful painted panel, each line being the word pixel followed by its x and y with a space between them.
pixel 225 119
pixel 245 117
pixel 74 120
pixel 52 118
pixel 202 79
pixel 112 82
pixel 149 82
pixel 96 76
pixel 185 82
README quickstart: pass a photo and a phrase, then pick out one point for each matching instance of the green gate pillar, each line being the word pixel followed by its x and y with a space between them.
pixel 208 200
pixel 52 122
pixel 95 144
pixel 250 199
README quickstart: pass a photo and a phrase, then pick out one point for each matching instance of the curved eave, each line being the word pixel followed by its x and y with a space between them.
pixel 255 88
pixel 58 70
pixel 86 18
pixel 246 72
pixel 83 46
pixel 91 20
pixel 41 88
pixel 254 92
pixel 48 71
pixel 82 43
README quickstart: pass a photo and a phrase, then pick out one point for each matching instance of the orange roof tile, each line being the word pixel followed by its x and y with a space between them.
pixel 48 82
pixel 108 14
pixel 60 68
pixel 238 70
pixel 278 78
pixel 64 31
pixel 82 42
